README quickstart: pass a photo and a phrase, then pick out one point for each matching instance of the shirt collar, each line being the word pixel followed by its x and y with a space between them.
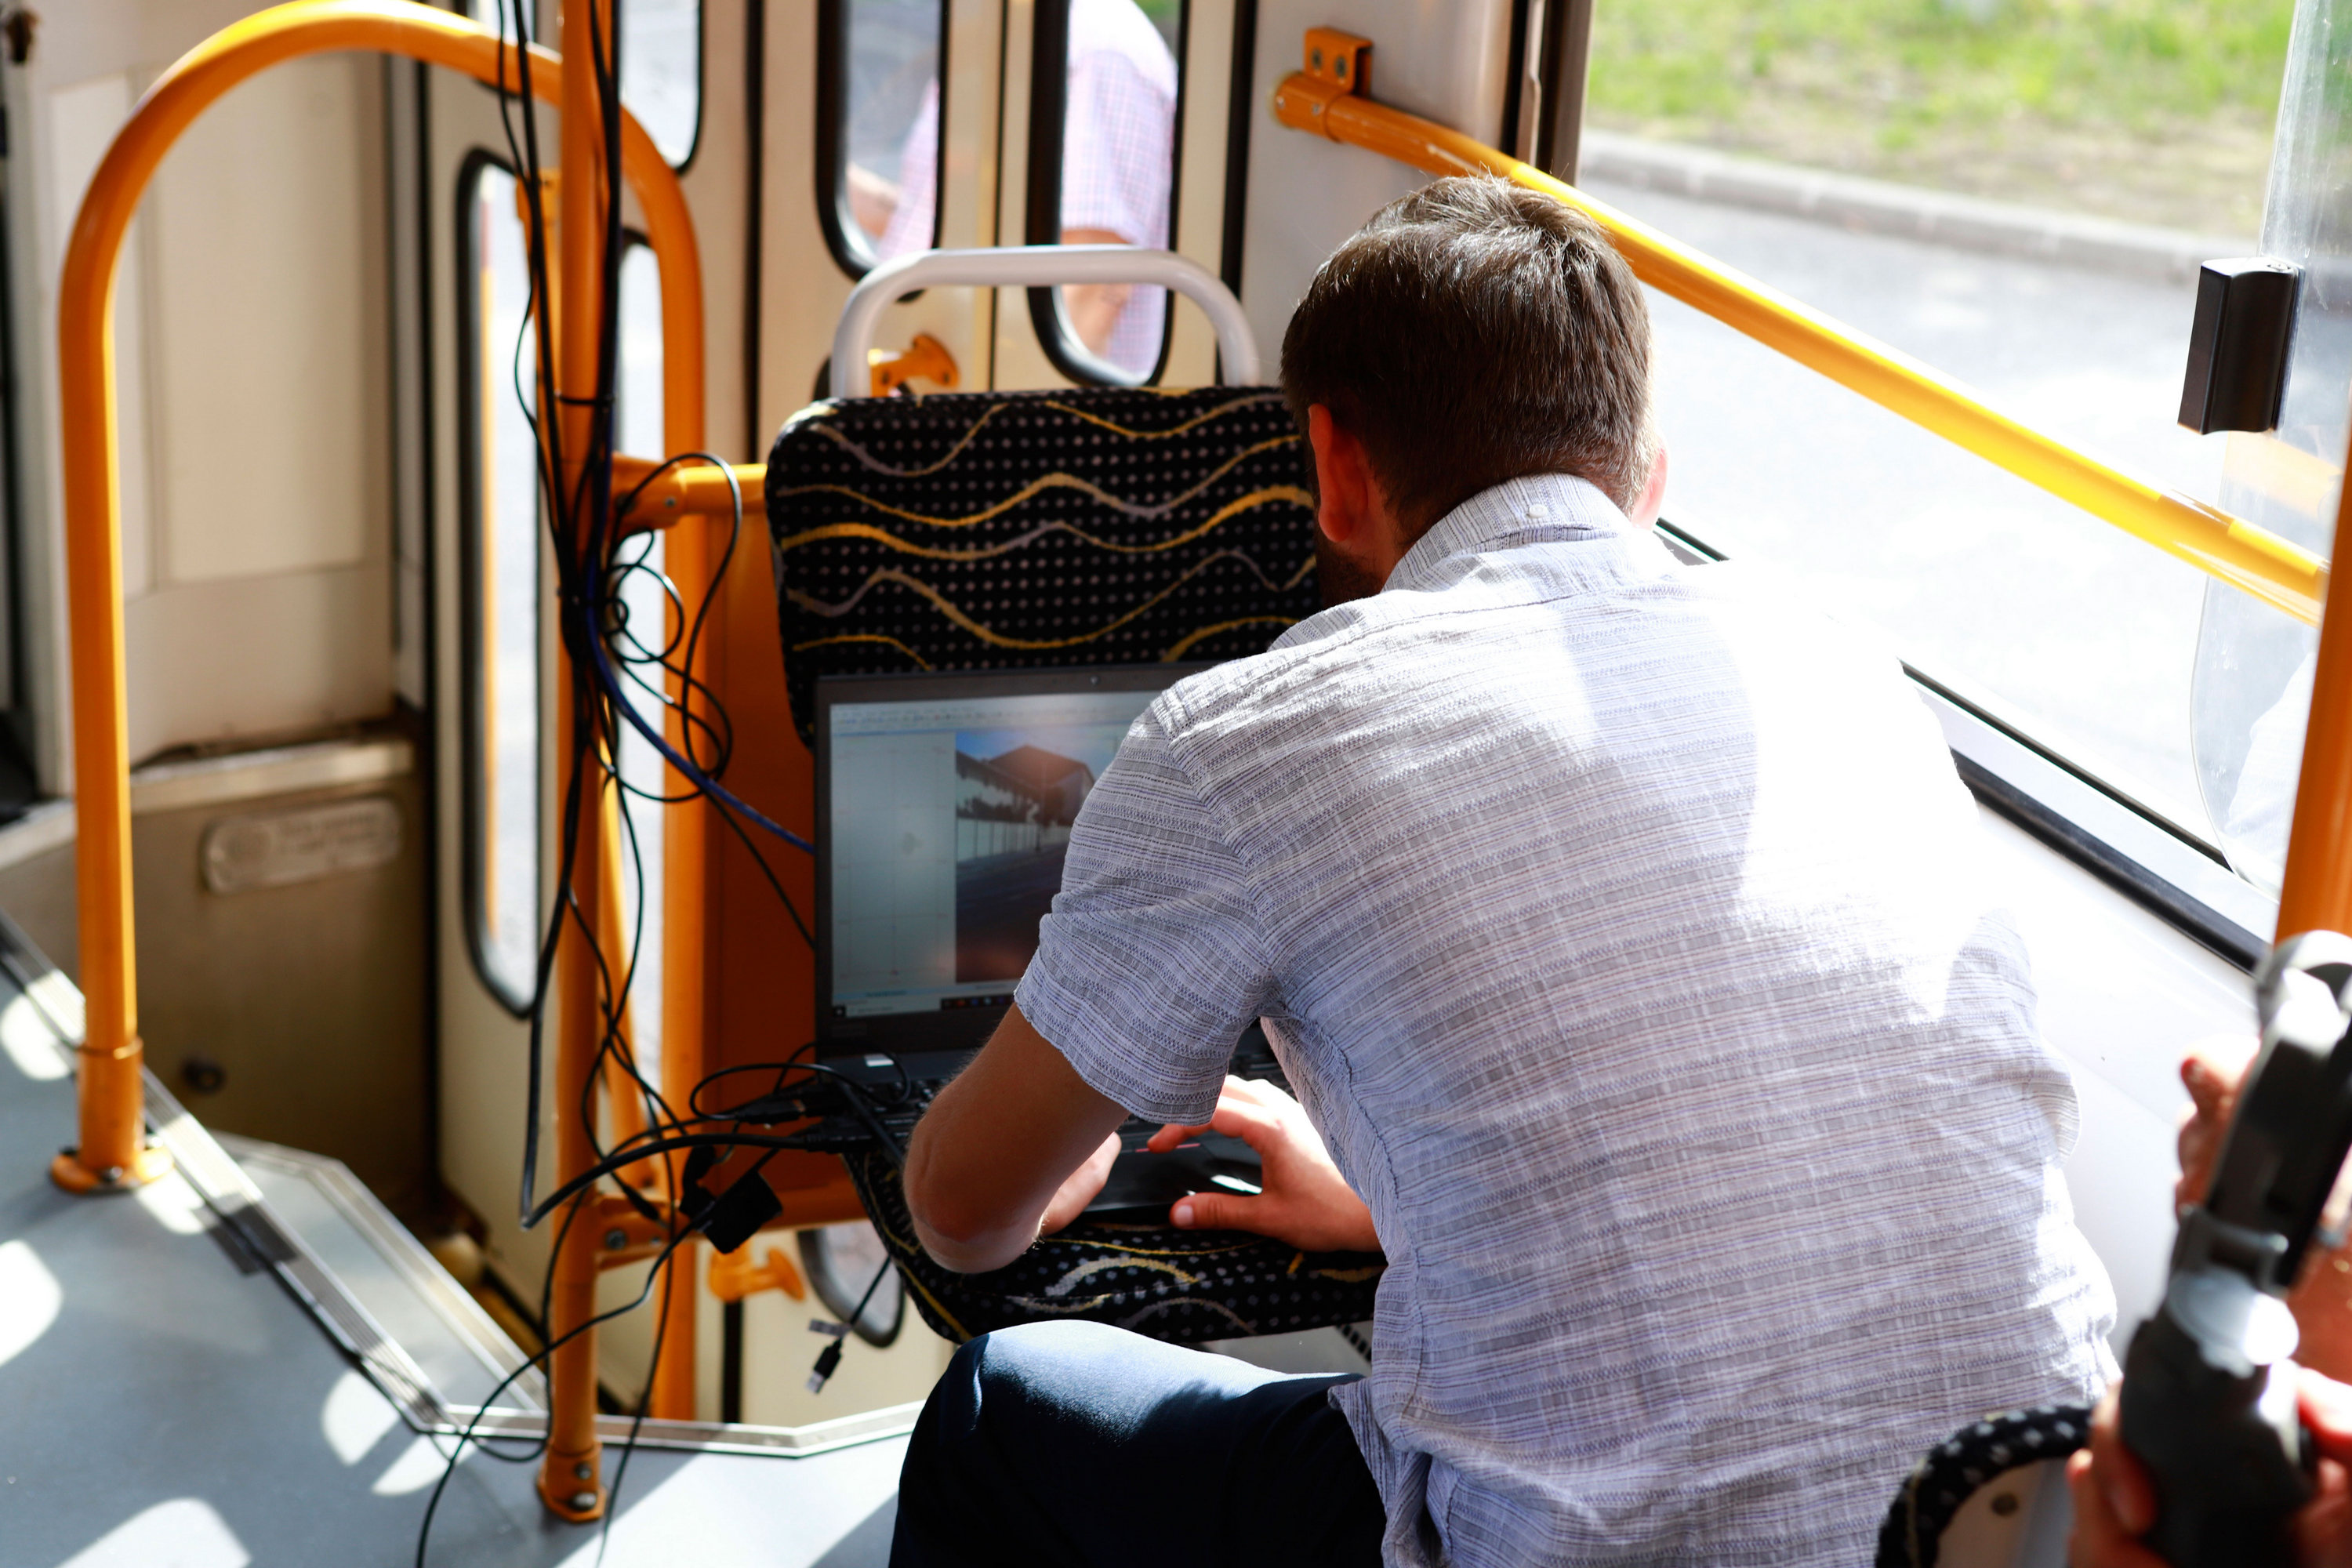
pixel 1518 511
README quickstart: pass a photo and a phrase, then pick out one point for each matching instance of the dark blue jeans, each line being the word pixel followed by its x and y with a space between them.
pixel 1077 1443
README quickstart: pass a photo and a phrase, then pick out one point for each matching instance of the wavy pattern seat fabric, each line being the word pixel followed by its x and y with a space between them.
pixel 1001 530
pixel 1180 1286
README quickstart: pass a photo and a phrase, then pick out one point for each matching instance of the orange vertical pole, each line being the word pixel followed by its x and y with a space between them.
pixel 569 1481
pixel 2318 892
pixel 686 556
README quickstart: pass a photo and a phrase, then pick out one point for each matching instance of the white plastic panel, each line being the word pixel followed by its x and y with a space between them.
pixel 1448 62
pixel 2123 994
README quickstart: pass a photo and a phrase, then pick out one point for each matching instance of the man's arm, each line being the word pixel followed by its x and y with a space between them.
pixel 1017 1129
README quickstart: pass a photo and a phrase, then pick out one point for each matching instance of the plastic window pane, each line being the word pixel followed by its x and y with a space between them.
pixel 661 72
pixel 644 633
pixel 887 127
pixel 503 550
pixel 1116 180
pixel 661 64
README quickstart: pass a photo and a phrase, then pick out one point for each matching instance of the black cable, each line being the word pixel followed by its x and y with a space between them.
pixel 607 660
pixel 829 1359
pixel 466 1436
pixel 637 1423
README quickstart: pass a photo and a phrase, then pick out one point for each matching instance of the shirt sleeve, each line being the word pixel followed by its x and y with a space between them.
pixel 1149 966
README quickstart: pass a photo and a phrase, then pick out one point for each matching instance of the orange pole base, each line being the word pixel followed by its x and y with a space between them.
pixel 67 1172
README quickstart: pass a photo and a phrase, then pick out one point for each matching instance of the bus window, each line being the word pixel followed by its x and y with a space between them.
pixel 501 549
pixel 661 65
pixel 645 617
pixel 878 126
pixel 2021 197
pixel 661 72
pixel 1102 171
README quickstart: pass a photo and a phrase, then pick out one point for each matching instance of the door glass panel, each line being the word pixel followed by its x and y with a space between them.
pixel 661 72
pixel 1119 170
pixel 661 63
pixel 891 125
pixel 638 645
pixel 2255 664
pixel 502 560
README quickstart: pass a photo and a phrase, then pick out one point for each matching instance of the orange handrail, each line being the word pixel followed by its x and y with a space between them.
pixel 1326 99
pixel 111 1150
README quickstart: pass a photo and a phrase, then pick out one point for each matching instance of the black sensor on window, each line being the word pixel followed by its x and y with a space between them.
pixel 2238 347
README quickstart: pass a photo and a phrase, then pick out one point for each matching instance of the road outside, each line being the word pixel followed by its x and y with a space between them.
pixel 2083 635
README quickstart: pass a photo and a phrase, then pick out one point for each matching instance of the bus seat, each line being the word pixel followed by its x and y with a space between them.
pixel 1004 531
pixel 1992 1495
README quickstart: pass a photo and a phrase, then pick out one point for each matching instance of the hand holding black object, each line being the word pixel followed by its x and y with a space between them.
pixel 1305 1200
pixel 2116 1499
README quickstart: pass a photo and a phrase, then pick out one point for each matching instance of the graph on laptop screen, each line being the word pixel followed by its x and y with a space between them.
pixel 948 817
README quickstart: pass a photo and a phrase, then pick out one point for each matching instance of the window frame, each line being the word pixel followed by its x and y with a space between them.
pixel 851 251
pixel 1049 79
pixel 473 470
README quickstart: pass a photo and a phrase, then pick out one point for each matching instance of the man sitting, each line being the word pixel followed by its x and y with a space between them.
pixel 1621 926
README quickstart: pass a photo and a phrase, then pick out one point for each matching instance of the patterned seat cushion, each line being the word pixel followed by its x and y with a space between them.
pixel 1001 530
pixel 1180 1286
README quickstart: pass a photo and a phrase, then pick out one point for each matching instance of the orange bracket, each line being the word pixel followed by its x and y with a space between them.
pixel 925 359
pixel 734 1276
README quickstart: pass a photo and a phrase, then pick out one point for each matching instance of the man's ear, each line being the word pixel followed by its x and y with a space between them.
pixel 1654 493
pixel 1343 479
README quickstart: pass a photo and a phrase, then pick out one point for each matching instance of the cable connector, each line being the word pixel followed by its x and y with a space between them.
pixel 827 1362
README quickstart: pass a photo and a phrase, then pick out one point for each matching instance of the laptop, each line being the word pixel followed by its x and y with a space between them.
pixel 944 804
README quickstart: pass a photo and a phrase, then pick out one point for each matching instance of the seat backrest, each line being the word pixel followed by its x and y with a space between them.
pixel 999 531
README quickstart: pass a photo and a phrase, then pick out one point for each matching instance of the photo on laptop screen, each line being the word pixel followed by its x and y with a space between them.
pixel 947 805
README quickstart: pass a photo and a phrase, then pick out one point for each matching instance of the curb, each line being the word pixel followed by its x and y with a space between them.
pixel 1909 211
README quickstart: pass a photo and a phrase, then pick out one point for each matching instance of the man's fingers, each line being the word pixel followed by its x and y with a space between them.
pixel 1259 1126
pixel 1174 1136
pixel 2100 1540
pixel 2328 1411
pixel 2212 1069
pixel 2123 1482
pixel 1212 1210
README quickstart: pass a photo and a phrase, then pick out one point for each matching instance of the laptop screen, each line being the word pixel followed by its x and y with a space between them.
pixel 945 806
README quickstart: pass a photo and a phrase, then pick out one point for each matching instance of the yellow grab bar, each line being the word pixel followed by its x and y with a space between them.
pixel 1327 99
pixel 110 1149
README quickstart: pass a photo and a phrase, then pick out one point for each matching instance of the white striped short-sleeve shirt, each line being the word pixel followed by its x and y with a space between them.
pixel 1623 929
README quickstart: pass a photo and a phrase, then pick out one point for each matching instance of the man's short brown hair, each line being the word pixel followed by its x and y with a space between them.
pixel 1473 333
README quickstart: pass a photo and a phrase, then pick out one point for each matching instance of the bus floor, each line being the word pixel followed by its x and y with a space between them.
pixel 168 1398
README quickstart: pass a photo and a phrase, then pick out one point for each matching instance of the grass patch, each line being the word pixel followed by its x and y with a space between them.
pixel 2158 111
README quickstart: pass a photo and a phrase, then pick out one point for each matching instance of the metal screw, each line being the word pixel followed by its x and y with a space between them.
pixel 582 1502
pixel 112 1176
pixel 615 1240
pixel 1342 63
pixel 1315 59
pixel 584 1471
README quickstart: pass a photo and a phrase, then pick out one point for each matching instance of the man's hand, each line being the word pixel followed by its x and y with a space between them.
pixel 2214 1070
pixel 2116 1502
pixel 1305 1200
